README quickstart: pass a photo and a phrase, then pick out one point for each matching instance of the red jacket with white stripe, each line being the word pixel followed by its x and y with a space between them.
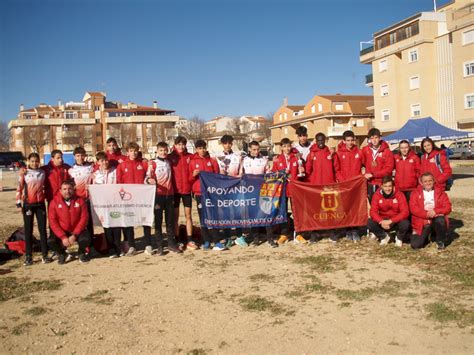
pixel 320 166
pixel 55 176
pixel 407 171
pixel 67 219
pixel 180 164
pixel 160 170
pixel 394 207
pixel 417 207
pixel 380 164
pixel 290 165
pixel 205 163
pixel 428 164
pixel 131 172
pixel 347 163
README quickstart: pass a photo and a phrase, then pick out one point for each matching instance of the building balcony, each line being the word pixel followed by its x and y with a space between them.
pixel 51 122
pixel 369 80
pixel 143 119
pixel 336 131
pixel 367 55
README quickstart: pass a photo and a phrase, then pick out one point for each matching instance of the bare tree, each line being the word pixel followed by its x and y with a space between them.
pixel 4 136
pixel 193 130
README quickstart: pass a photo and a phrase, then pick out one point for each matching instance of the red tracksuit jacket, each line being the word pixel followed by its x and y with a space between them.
pixel 428 164
pixel 131 172
pixel 115 158
pixel 379 165
pixel 180 164
pixel 407 171
pixel 203 164
pixel 30 189
pixel 320 166
pixel 417 207
pixel 64 219
pixel 55 175
pixel 281 163
pixel 347 163
pixel 394 207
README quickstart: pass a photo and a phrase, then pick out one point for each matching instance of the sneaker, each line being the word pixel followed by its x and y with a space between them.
pixel 62 259
pixel 300 239
pixel 83 259
pixel 122 254
pixel 314 238
pixel 372 236
pixel 333 237
pixel 159 251
pixel 440 245
pixel 206 246
pixel 385 240
pixel 349 236
pixel 28 261
pixel 181 247
pixel 46 260
pixel 355 237
pixel 114 256
pixel 192 245
pixel 131 251
pixel 240 241
pixel 219 246
pixel 398 242
pixel 228 244
pixel 175 249
pixel 149 250
pixel 69 257
pixel 272 244
pixel 255 242
pixel 282 240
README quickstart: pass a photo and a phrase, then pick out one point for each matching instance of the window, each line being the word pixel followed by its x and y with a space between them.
pixel 339 107
pixel 413 56
pixel 285 115
pixel 383 66
pixel 415 110
pixel 285 131
pixel 280 116
pixel 469 101
pixel 414 82
pixel 69 114
pixel 385 115
pixel 46 116
pixel 384 90
pixel 320 107
pixel 467 37
pixel 85 115
pixel 313 109
pixel 469 69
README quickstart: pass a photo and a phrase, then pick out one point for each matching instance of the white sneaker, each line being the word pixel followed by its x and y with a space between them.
pixel 385 240
pixel 131 251
pixel 149 250
pixel 398 242
pixel 372 236
pixel 69 257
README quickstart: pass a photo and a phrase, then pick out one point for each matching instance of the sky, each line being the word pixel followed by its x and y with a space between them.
pixel 201 58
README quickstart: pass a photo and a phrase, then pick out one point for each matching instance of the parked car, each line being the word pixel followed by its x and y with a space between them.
pixel 462 149
pixel 9 159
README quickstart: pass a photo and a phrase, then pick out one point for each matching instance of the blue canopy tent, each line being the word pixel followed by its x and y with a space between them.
pixel 417 129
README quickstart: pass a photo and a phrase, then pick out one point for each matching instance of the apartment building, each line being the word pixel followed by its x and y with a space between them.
pixel 329 114
pixel 424 66
pixel 88 123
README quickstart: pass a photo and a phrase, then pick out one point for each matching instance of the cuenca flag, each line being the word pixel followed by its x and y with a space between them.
pixel 122 205
pixel 339 205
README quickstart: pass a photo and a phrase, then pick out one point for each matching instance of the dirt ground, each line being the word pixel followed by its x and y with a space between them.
pixel 298 299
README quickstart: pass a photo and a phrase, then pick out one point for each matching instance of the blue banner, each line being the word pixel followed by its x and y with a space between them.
pixel 250 201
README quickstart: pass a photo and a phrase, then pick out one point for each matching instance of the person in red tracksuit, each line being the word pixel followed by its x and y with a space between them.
pixel 56 173
pixel 133 171
pixel 320 171
pixel 114 154
pixel 288 162
pixel 202 161
pixel 429 207
pixel 378 161
pixel 179 159
pixel 434 161
pixel 68 218
pixel 348 164
pixel 407 169
pixel 389 212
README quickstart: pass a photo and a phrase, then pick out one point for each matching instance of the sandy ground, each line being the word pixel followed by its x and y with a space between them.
pixel 324 298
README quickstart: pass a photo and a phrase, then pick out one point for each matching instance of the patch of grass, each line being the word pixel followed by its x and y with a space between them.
pixel 260 304
pixel 12 287
pixel 21 328
pixel 298 292
pixel 36 311
pixel 199 351
pixel 441 313
pixel 261 277
pixel 316 286
pixel 222 344
pixel 389 288
pixel 344 304
pixel 99 297
pixel 320 263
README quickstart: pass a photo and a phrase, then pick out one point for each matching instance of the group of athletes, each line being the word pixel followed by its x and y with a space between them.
pixel 408 202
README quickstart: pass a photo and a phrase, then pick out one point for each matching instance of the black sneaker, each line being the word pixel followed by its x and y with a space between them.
pixel 62 259
pixel 159 251
pixel 83 258
pixel 175 249
pixel 441 245
pixel 272 244
pixel 255 242
pixel 28 261
pixel 46 259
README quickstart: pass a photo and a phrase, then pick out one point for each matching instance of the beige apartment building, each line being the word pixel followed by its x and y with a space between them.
pixel 424 66
pixel 329 114
pixel 88 123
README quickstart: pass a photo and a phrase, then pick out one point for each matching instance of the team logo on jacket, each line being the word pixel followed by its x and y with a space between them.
pixel 381 201
pixel 344 156
pixel 60 206
pixel 411 160
pixel 357 156
pixel 76 205
pixel 124 195
pixel 209 163
pixel 395 200
pixel 197 166
pixel 139 167
pixel 329 157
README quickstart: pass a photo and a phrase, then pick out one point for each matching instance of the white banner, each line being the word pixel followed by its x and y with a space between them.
pixel 122 205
